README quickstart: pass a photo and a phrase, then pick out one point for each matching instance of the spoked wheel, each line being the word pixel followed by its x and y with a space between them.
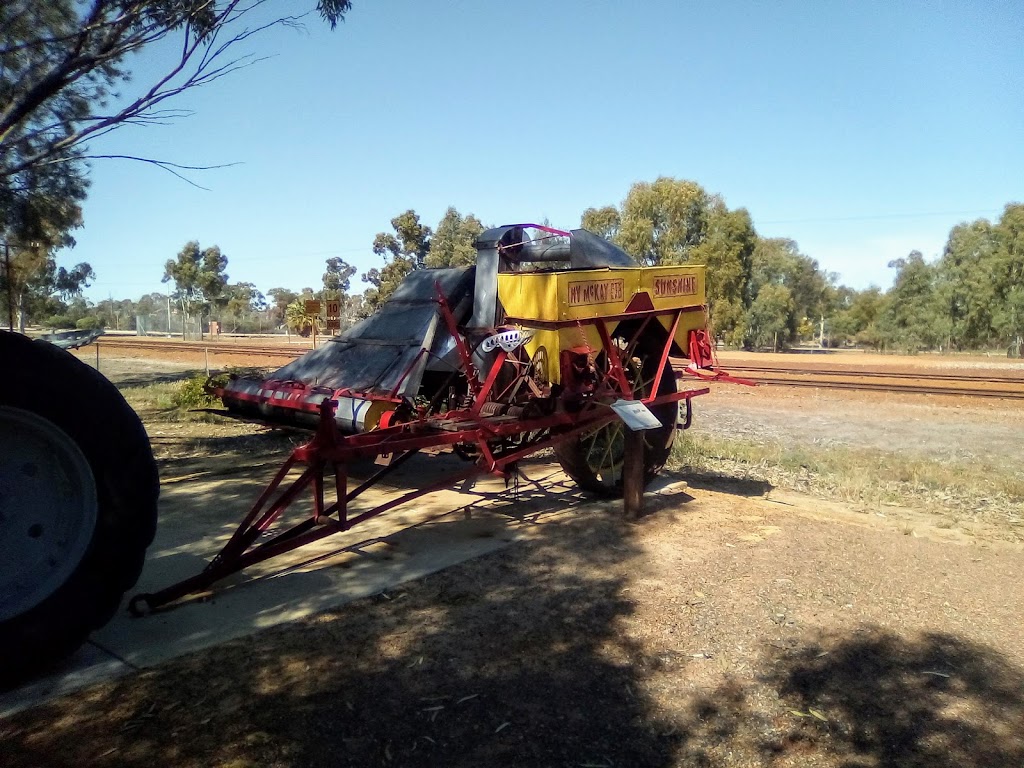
pixel 595 459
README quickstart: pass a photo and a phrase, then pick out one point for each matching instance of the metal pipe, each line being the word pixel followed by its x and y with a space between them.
pixel 542 251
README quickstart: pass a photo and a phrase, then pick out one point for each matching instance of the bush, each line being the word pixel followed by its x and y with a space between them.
pixel 192 394
pixel 89 323
pixel 58 322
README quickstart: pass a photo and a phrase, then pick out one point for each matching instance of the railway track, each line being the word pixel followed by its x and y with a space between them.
pixel 215 347
pixel 881 386
pixel 839 372
pixel 921 383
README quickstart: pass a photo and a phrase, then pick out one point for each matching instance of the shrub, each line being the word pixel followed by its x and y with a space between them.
pixel 192 394
pixel 89 323
pixel 58 322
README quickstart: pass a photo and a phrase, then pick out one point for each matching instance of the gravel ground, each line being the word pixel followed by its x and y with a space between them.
pixel 927 426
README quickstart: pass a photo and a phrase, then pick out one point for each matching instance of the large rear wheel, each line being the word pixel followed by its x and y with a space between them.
pixel 595 459
pixel 78 496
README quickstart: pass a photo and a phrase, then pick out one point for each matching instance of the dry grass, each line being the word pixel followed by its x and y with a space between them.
pixel 964 491
pixel 162 402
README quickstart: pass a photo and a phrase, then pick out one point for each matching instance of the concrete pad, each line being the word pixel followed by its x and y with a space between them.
pixel 198 515
pixel 89 664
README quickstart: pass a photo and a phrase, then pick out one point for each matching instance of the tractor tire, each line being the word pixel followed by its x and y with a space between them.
pixel 594 460
pixel 78 503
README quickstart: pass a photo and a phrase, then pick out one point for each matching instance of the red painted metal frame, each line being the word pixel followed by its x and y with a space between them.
pixel 330 451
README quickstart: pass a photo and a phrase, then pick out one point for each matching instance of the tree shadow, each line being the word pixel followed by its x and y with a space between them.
pixel 873 698
pixel 516 658
pixel 716 481
pixel 133 380
pixel 935 700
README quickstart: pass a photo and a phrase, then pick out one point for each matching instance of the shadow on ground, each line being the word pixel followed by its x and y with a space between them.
pixel 513 659
pixel 129 381
pixel 738 486
pixel 935 700
pixel 872 699
pixel 529 657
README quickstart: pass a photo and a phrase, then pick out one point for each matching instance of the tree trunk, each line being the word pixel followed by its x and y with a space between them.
pixel 21 313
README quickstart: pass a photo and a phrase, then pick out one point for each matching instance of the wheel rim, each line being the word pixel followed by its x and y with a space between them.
pixel 604 449
pixel 48 509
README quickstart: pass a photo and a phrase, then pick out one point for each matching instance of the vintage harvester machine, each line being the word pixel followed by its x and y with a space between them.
pixel 552 340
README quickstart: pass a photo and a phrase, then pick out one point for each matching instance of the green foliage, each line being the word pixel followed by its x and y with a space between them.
pixel 38 286
pixel 338 276
pixel 280 298
pixel 58 322
pixel 191 393
pixel 301 321
pixel 768 321
pixel 65 78
pixel 415 246
pixel 243 309
pixel 971 298
pixel 909 319
pixel 661 222
pixel 604 222
pixel 199 278
pixel 403 251
pixel 411 240
pixel 40 201
pixel 779 262
pixel 1008 277
pixel 854 316
pixel 63 62
pixel 89 323
pixel 727 252
pixel 675 221
pixel 452 244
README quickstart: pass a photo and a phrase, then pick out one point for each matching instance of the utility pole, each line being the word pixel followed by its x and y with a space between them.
pixel 168 315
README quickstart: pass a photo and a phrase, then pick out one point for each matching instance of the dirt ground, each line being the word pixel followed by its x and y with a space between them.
pixel 936 427
pixel 745 625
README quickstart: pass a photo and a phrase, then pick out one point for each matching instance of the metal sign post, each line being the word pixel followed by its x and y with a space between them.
pixel 637 417
pixel 313 311
pixel 633 475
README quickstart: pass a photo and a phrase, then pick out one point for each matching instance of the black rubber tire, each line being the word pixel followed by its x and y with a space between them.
pixel 52 383
pixel 572 454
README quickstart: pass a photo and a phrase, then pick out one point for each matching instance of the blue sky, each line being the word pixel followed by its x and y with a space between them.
pixel 860 130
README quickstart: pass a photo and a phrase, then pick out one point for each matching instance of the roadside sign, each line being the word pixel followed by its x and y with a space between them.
pixel 312 307
pixel 333 313
pixel 635 414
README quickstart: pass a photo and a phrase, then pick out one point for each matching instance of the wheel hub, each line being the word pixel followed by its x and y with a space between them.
pixel 48 509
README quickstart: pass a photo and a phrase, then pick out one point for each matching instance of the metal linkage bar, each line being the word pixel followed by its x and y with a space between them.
pixel 328 447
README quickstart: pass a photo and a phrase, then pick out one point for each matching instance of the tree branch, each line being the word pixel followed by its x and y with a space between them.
pixel 166 165
pixel 90 61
